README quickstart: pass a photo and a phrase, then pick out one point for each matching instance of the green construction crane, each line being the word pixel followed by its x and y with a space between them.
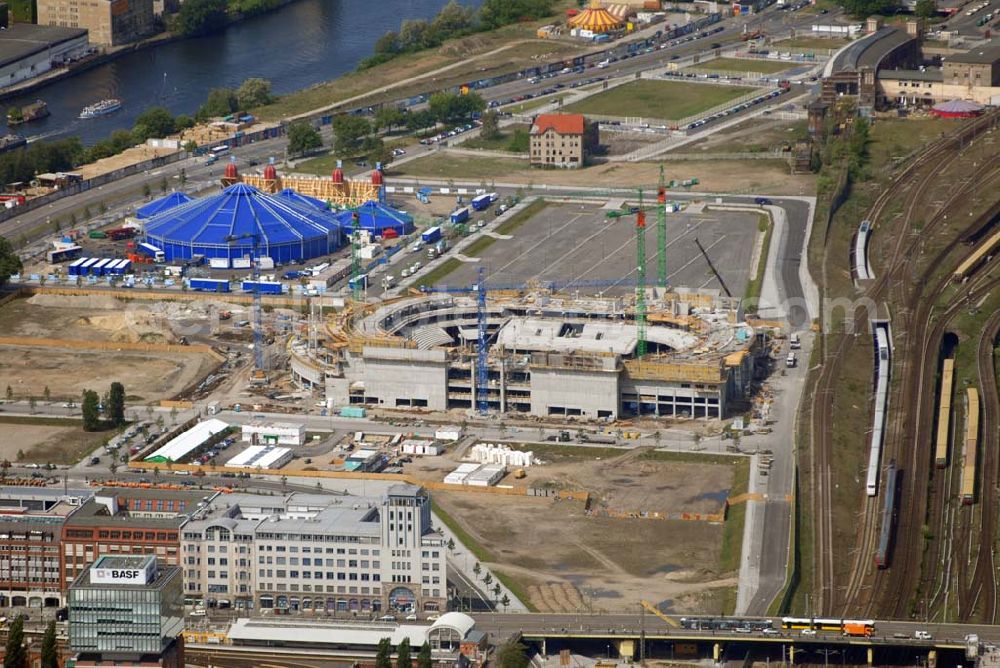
pixel 640 284
pixel 661 232
pixel 357 290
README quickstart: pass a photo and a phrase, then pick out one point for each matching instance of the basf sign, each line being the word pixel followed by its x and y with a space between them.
pixel 137 576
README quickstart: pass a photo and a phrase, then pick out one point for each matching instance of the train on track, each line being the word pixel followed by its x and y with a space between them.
pixel 883 553
pixel 861 267
pixel 971 449
pixel 725 624
pixel 980 255
pixel 883 359
pixel 944 414
pixel 847 627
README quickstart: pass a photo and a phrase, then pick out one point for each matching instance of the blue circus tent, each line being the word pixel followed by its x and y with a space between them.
pixel 376 217
pixel 162 204
pixel 222 225
pixel 293 196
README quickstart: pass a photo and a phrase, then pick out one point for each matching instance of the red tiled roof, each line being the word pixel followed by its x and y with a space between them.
pixel 564 124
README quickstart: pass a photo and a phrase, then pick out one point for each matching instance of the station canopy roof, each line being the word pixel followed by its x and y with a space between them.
pixel 162 204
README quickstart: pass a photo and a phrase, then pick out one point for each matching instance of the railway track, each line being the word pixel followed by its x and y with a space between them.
pixel 983 577
pixel 922 171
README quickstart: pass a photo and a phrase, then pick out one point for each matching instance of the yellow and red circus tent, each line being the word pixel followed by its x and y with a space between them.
pixel 596 19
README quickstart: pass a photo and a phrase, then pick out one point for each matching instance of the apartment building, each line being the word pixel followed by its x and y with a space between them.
pixel 314 552
pixel 124 521
pixel 561 140
pixel 108 22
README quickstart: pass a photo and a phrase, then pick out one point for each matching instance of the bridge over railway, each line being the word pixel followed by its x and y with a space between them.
pixel 637 637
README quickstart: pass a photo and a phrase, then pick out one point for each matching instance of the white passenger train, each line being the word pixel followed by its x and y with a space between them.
pixel 861 267
pixel 882 363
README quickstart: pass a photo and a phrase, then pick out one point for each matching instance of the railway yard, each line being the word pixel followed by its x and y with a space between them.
pixel 929 553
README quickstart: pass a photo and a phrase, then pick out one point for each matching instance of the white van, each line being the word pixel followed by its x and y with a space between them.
pixel 790 360
pixel 794 342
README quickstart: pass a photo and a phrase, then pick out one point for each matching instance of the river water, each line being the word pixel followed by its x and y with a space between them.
pixel 304 43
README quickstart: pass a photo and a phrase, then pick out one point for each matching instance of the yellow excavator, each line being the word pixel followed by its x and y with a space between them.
pixel 670 621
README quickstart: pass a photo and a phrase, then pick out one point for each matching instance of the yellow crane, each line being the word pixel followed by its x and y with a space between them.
pixel 670 621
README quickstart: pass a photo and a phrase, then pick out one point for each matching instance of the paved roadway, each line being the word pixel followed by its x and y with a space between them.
pixel 895 632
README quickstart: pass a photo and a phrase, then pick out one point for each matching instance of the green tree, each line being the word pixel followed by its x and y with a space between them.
pixel 505 601
pixel 488 579
pixel 190 146
pixel 926 9
pixel 418 120
pixel 388 117
pixel 116 404
pixel 153 122
pixel 220 102
pixel 387 44
pixel 32 403
pixel 863 8
pixel 383 658
pixel 451 544
pixel 50 653
pixel 452 20
pixel 496 13
pixel 348 133
pixel 200 17
pixel 491 125
pixel 453 107
pixel 254 92
pixel 477 569
pixel 15 655
pixel 183 122
pixel 512 654
pixel 47 394
pixel 88 407
pixel 10 390
pixel 303 137
pixel 424 658
pixel 10 263
pixel 413 34
pixel 15 115
pixel 146 190
pixel 376 151
pixel 403 659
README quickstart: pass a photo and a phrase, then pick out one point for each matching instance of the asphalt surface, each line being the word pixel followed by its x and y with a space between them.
pixel 578 243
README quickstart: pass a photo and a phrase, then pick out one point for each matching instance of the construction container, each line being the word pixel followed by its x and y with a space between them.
pixel 352 412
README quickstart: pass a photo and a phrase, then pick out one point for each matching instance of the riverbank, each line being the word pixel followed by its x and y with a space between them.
pixel 160 39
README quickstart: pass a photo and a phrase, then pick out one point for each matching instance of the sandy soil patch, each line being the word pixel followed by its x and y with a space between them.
pixel 566 561
pixel 68 372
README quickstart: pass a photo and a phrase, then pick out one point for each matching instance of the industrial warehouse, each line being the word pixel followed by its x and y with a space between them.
pixel 552 355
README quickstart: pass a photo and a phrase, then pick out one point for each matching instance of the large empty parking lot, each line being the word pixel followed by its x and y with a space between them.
pixel 577 243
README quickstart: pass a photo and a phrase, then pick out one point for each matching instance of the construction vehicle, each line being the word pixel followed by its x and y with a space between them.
pixel 670 621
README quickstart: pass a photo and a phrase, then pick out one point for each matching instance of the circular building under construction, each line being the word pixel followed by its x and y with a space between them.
pixel 547 354
pixel 227 225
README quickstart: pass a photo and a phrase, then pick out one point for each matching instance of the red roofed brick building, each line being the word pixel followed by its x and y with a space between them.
pixel 561 140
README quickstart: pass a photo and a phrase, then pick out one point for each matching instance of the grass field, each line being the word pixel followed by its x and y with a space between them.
pixel 43 440
pixel 505 142
pixel 811 43
pixel 461 167
pixel 740 65
pixel 671 100
pixel 437 275
pixel 536 103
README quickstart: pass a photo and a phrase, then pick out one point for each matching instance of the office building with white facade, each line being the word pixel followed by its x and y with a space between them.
pixel 317 552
